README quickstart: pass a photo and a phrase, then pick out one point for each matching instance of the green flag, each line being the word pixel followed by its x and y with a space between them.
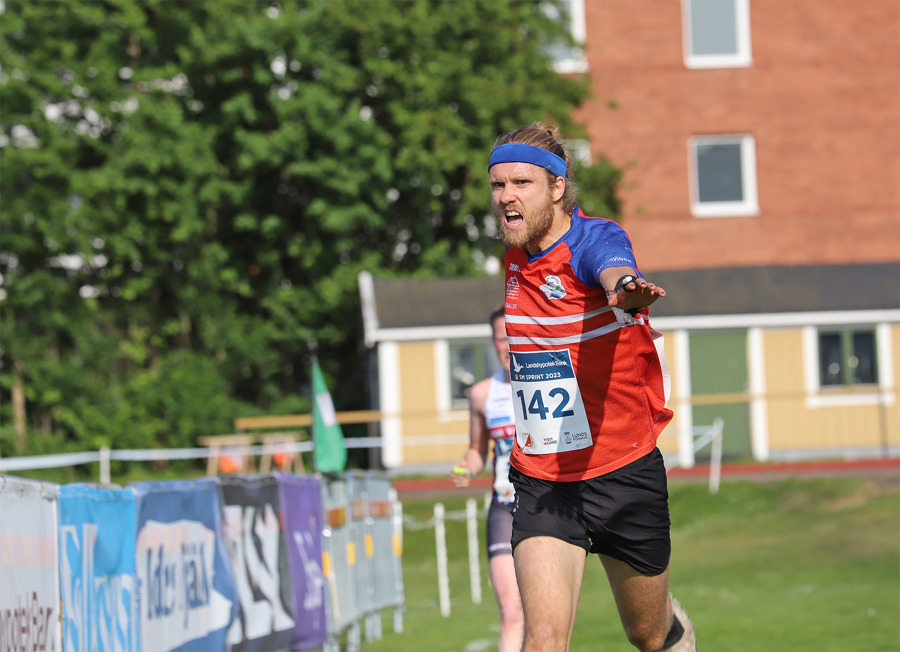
pixel 329 454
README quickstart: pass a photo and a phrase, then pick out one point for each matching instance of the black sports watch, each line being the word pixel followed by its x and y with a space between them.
pixel 625 280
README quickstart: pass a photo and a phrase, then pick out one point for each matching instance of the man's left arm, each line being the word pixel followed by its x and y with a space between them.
pixel 626 290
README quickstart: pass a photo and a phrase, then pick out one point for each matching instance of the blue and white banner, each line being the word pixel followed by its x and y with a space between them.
pixel 257 547
pixel 97 529
pixel 29 566
pixel 188 597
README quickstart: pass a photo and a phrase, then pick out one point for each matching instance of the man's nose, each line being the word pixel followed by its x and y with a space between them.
pixel 507 195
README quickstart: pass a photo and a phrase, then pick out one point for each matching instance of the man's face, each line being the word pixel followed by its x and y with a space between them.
pixel 522 200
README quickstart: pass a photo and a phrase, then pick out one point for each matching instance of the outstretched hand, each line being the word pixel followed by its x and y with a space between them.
pixel 635 295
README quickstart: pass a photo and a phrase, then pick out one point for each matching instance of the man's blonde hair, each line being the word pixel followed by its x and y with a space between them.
pixel 546 136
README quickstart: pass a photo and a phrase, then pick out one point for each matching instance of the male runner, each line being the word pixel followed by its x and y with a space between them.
pixel 590 389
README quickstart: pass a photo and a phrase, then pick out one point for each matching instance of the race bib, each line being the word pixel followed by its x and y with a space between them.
pixel 550 416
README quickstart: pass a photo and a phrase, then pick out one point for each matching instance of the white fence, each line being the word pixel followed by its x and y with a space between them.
pixel 703 436
pixel 105 455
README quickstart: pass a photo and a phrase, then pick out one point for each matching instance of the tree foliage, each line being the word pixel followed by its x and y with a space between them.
pixel 190 190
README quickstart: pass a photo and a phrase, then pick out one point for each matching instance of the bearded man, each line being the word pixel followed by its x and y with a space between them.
pixel 590 388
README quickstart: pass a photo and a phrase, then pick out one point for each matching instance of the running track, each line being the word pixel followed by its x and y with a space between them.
pixel 887 469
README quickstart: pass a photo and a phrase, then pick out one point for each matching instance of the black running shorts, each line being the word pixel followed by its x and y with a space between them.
pixel 623 514
pixel 499 529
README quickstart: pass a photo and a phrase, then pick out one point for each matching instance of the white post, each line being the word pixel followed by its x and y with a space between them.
pixel 683 408
pixel 440 535
pixel 104 465
pixel 759 410
pixel 474 567
pixel 398 554
pixel 715 463
pixel 391 427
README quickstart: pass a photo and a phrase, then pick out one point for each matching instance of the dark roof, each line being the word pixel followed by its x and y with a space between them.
pixel 413 302
pixel 757 290
pixel 418 302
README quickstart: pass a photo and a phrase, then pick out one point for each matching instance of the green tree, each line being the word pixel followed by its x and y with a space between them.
pixel 190 190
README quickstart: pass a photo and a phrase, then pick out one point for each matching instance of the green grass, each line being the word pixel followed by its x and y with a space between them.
pixel 783 566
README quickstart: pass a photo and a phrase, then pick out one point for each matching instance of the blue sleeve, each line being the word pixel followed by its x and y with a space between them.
pixel 603 244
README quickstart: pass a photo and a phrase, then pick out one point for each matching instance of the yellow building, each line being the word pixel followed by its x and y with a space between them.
pixel 797 362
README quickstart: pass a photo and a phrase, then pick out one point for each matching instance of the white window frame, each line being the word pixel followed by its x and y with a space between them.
pixel 578 30
pixel 749 205
pixel 741 59
pixel 881 392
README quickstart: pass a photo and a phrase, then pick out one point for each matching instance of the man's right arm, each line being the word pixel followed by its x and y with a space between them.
pixel 475 457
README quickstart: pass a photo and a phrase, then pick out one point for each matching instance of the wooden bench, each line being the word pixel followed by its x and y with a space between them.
pixel 243 461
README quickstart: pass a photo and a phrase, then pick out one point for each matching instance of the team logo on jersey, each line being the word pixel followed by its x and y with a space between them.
pixel 512 288
pixel 553 288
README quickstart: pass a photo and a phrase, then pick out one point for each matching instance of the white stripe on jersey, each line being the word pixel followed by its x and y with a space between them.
pixel 573 339
pixel 552 321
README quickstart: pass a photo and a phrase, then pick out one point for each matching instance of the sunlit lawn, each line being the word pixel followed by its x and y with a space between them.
pixel 782 566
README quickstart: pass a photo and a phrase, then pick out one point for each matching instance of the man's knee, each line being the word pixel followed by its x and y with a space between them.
pixel 646 638
pixel 545 638
pixel 512 614
pixel 678 638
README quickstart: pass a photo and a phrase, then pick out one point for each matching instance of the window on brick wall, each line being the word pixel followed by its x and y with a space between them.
pixel 568 58
pixel 723 176
pixel 716 33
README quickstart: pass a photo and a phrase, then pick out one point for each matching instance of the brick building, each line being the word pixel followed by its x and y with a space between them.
pixel 804 95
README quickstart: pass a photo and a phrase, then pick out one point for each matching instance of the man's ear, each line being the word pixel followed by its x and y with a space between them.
pixel 558 188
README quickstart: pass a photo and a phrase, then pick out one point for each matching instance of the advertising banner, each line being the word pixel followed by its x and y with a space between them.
pixel 301 503
pixel 29 566
pixel 258 551
pixel 97 530
pixel 188 597
pixel 339 558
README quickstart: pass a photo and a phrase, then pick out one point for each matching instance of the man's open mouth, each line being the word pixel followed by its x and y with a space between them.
pixel 514 219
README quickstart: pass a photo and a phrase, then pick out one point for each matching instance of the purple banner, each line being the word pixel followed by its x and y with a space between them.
pixel 301 501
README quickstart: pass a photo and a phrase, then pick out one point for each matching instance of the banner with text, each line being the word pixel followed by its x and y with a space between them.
pixel 258 551
pixel 188 597
pixel 301 504
pixel 97 530
pixel 29 566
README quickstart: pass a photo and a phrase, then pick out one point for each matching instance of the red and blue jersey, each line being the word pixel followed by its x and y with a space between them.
pixel 589 382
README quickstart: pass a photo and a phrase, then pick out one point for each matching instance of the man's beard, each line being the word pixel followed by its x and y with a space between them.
pixel 537 225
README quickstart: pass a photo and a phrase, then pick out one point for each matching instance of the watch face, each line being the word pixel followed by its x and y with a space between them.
pixel 625 280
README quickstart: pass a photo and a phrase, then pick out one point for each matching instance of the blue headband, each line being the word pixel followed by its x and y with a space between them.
pixel 519 153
